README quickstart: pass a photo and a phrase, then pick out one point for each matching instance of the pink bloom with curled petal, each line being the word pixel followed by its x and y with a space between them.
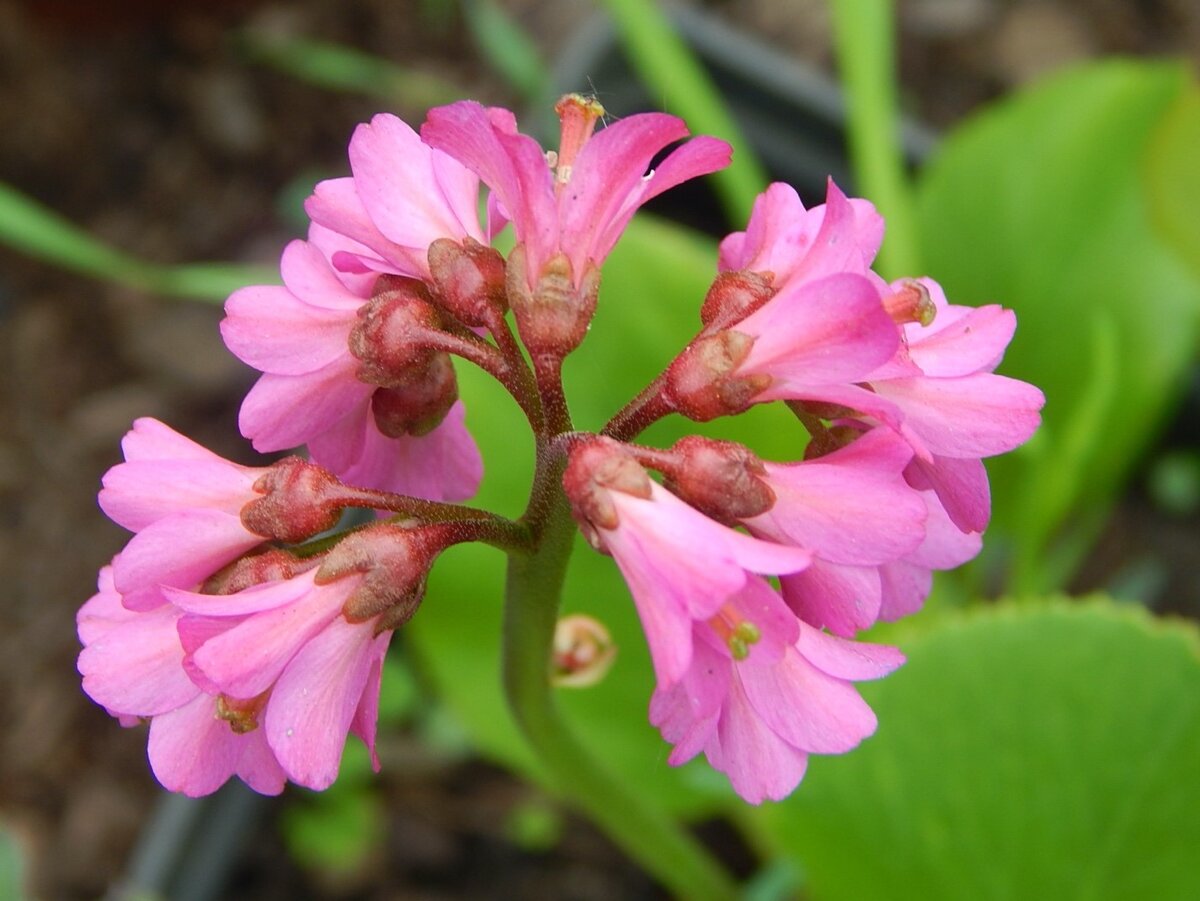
pixel 758 717
pixel 402 196
pixel 184 504
pixel 581 202
pixel 297 335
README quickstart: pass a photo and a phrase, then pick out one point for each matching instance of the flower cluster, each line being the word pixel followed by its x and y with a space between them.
pixel 251 633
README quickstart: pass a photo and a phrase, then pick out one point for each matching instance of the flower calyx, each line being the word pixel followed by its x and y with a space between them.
pixel 271 565
pixel 393 562
pixel 554 315
pixel 299 500
pixel 722 479
pixel 735 295
pixel 391 338
pixel 702 382
pixel 596 467
pixel 469 279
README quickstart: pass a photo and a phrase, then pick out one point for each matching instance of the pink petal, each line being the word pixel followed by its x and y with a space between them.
pixel 904 588
pixel 844 599
pixel 103 611
pixel 135 668
pixel 962 490
pixel 150 439
pixel 269 329
pixel 805 707
pixel 973 341
pixel 137 494
pixel 759 764
pixel 971 416
pixel 336 206
pixel 850 660
pixel 831 330
pixel 284 411
pixel 315 699
pixel 366 715
pixel 180 551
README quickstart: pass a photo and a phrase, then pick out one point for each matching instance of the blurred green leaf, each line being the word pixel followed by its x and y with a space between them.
pixel 341 68
pixel 1039 752
pixel 1173 176
pixel 12 867
pixel 41 233
pixel 1042 203
pixel 508 48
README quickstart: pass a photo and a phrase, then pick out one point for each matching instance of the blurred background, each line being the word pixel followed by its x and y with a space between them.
pixel 180 132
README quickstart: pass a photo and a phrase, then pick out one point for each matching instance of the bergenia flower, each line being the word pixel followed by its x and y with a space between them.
pixel 580 199
pixel 310 392
pixel 184 503
pixel 403 195
pixel 758 718
pixel 682 567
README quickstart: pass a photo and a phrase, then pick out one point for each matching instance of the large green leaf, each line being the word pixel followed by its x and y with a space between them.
pixel 1042 203
pixel 1039 752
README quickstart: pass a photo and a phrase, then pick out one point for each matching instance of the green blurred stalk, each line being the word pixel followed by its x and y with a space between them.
pixel 673 73
pixel 33 229
pixel 864 35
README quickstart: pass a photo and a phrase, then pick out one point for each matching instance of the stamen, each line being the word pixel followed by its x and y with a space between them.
pixel 241 714
pixel 737 633
pixel 910 303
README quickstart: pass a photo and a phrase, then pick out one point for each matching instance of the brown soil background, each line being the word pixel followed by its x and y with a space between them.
pixel 142 122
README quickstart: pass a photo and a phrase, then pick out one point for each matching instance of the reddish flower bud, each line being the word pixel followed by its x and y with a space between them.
pixel 910 303
pixel 269 566
pixel 394 561
pixel 702 383
pixel 417 406
pixel 295 504
pixel 469 278
pixel 390 337
pixel 554 317
pixel 720 478
pixel 735 295
pixel 595 469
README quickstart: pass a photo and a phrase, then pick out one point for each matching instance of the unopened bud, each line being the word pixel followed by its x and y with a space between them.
pixel 393 561
pixel 583 651
pixel 594 470
pixel 910 302
pixel 389 339
pixel 720 478
pixel 417 405
pixel 295 503
pixel 735 295
pixel 554 316
pixel 271 565
pixel 702 382
pixel 469 278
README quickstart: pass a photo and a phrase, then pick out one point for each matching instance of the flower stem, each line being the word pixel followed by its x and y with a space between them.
pixel 532 591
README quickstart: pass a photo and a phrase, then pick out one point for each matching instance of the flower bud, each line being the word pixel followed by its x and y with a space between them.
pixel 554 316
pixel 418 405
pixel 295 503
pixel 583 651
pixel 596 468
pixel 735 295
pixel 720 478
pixel 702 383
pixel 393 561
pixel 469 278
pixel 389 338
pixel 271 565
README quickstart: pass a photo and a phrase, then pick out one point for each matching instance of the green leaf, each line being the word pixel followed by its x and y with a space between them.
pixel 508 48
pixel 1046 203
pixel 33 229
pixel 1035 752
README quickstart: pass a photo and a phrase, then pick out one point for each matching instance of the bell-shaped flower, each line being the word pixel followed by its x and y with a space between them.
pixel 298 336
pixel 758 715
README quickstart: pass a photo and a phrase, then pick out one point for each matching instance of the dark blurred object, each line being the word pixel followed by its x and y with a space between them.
pixel 73 16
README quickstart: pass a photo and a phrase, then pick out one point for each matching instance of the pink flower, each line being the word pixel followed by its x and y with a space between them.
pixel 758 718
pixel 581 200
pixel 402 197
pixel 855 512
pixel 310 393
pixel 184 504
pixel 132 665
pixel 796 245
pixel 681 566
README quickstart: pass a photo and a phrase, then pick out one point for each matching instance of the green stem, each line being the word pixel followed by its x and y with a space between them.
pixel 646 834
pixel 864 32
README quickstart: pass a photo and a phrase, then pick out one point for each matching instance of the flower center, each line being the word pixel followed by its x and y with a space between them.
pixel 737 633
pixel 577 115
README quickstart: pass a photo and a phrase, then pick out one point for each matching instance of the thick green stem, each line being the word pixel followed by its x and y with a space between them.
pixel 646 834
